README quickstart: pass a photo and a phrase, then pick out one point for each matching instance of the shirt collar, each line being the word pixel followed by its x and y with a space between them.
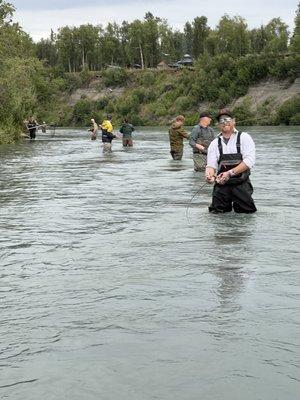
pixel 235 131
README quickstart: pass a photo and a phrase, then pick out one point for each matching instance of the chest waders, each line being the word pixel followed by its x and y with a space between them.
pixel 237 192
pixel 31 126
pixel 107 137
pixel 232 160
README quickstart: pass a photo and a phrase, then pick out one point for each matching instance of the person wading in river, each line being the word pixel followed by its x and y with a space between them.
pixel 107 134
pixel 93 129
pixel 44 127
pixel 229 160
pixel 32 127
pixel 126 129
pixel 201 137
pixel 176 135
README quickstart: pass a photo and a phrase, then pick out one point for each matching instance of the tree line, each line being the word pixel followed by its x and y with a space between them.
pixel 34 76
pixel 146 42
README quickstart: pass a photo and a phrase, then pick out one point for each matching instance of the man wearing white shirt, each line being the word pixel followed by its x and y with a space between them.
pixel 230 158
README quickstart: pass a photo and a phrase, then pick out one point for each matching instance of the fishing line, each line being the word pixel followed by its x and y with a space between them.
pixel 190 202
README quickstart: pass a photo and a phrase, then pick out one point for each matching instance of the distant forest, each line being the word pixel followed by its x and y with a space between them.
pixel 146 42
pixel 34 77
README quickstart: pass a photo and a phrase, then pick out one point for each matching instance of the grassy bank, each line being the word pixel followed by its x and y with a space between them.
pixel 154 97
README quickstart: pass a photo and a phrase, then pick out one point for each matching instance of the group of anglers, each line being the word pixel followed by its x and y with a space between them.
pixel 107 134
pixel 226 159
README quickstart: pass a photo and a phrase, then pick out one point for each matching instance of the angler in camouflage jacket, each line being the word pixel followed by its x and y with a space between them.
pixel 176 134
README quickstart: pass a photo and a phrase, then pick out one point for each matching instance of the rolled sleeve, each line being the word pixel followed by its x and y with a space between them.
pixel 248 150
pixel 212 155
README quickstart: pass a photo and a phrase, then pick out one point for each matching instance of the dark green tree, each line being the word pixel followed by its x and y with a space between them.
pixel 233 36
pixel 295 40
pixel 199 35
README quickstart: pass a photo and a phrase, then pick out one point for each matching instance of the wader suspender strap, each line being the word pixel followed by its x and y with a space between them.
pixel 220 147
pixel 238 144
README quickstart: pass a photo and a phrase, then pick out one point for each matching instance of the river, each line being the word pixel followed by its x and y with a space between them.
pixel 111 289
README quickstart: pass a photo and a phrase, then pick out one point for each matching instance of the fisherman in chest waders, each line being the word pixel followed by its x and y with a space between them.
pixel 107 134
pixel 229 161
pixel 200 138
pixel 176 135
pixel 32 127
pixel 126 129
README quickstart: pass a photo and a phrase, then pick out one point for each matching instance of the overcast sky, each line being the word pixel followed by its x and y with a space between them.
pixel 37 17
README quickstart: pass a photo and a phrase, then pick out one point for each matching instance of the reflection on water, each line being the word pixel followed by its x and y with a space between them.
pixel 106 290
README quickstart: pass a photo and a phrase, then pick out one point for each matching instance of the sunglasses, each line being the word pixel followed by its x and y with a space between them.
pixel 225 120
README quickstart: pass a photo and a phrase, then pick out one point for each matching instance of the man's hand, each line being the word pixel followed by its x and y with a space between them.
pixel 199 147
pixel 209 177
pixel 223 177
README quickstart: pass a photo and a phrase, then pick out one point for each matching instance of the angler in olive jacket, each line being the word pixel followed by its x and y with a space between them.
pixel 201 137
pixel 176 135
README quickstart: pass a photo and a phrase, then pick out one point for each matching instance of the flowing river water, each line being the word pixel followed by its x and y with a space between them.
pixel 109 290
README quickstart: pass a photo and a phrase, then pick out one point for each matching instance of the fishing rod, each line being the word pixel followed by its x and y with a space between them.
pixel 190 202
pixel 37 126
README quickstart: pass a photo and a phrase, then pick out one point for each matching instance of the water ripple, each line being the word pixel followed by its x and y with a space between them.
pixel 107 291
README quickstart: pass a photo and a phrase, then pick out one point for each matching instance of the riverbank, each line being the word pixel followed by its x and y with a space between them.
pixel 151 98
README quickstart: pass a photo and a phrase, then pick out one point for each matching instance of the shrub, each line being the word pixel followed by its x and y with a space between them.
pixel 115 77
pixel 72 82
pixel 146 79
pixel 85 76
pixel 191 119
pixel 140 94
pixel 110 108
pixel 102 103
pixel 295 119
pixel 288 112
pixel 9 133
pixel 182 103
pixel 243 112
pixel 82 112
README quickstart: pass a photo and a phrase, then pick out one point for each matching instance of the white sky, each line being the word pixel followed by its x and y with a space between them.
pixel 37 17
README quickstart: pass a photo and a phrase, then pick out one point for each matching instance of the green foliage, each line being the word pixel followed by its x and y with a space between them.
pixel 182 103
pixel 146 79
pixel 288 112
pixel 233 37
pixel 18 95
pixel 46 51
pixel 71 82
pixel 102 103
pixel 9 133
pixel 110 108
pixel 244 112
pixel 277 36
pixel 37 78
pixel 85 76
pixel 286 67
pixel 113 77
pixel 191 119
pixel 265 113
pixel 295 40
pixel 295 119
pixel 82 112
pixel 200 31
